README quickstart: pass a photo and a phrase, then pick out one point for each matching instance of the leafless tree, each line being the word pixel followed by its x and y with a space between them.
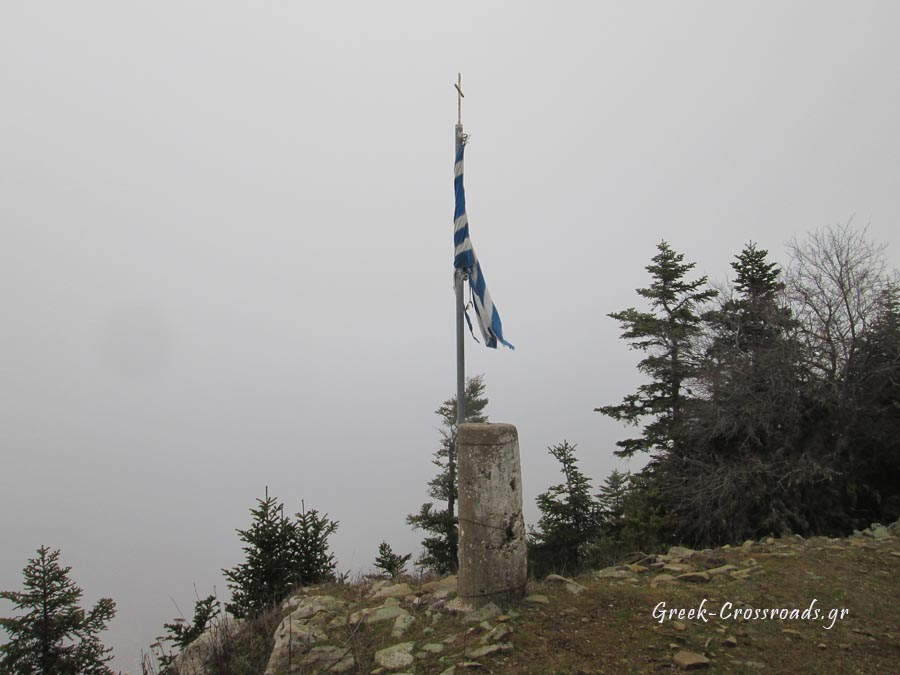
pixel 836 280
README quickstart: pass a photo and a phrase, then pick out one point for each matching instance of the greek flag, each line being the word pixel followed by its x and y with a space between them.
pixel 466 260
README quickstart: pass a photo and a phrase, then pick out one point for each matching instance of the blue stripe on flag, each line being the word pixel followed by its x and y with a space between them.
pixel 464 257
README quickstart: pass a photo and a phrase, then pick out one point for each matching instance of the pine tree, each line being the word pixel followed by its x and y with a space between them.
pixel 313 562
pixel 393 564
pixel 441 546
pixel 611 502
pixel 281 554
pixel 756 277
pixel 569 517
pixel 54 636
pixel 666 334
pixel 267 574
pixel 180 633
pixel 750 465
pixel 751 369
pixel 753 318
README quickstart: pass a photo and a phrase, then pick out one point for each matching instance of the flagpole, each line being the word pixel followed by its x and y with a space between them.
pixel 458 278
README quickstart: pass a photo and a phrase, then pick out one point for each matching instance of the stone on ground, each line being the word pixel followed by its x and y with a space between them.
pixel 572 586
pixel 690 660
pixel 538 599
pixel 401 625
pixel 680 552
pixel 694 577
pixel 723 569
pixel 613 573
pixel 329 659
pixel 392 591
pixel 307 607
pixel 396 656
pixel 458 606
pixel 484 613
pixel 378 614
pixel 497 634
pixel 478 652
pixel 448 583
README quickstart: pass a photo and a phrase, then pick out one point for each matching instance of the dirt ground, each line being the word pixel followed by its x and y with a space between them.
pixel 610 628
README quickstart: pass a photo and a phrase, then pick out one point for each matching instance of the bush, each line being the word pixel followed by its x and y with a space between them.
pixel 180 634
pixel 391 563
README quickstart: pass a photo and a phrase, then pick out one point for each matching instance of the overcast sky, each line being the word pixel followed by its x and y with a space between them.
pixel 226 243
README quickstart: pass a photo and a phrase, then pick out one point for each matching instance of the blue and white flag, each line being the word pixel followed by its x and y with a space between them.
pixel 466 260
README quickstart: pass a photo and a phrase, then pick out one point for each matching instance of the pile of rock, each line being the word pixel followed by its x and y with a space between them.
pixel 298 636
pixel 679 565
pixel 303 638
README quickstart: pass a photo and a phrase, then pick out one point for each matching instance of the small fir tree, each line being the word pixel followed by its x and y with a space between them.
pixel 54 635
pixel 392 564
pixel 180 633
pixel 281 554
pixel 312 559
pixel 611 502
pixel 441 544
pixel 267 573
pixel 753 319
pixel 569 517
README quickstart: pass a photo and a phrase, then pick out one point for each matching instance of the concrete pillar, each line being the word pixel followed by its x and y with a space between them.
pixel 492 558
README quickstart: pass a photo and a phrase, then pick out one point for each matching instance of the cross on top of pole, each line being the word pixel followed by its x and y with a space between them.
pixel 459 97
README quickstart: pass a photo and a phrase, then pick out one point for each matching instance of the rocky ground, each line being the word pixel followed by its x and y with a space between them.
pixel 603 622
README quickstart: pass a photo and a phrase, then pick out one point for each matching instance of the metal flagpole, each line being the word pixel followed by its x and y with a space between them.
pixel 458 279
pixel 460 350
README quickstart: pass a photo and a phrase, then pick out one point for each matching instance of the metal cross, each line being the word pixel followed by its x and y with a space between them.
pixel 459 97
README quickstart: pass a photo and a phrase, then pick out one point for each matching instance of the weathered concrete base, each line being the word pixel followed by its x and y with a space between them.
pixel 493 565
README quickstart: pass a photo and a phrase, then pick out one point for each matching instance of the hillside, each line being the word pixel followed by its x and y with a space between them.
pixel 601 622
